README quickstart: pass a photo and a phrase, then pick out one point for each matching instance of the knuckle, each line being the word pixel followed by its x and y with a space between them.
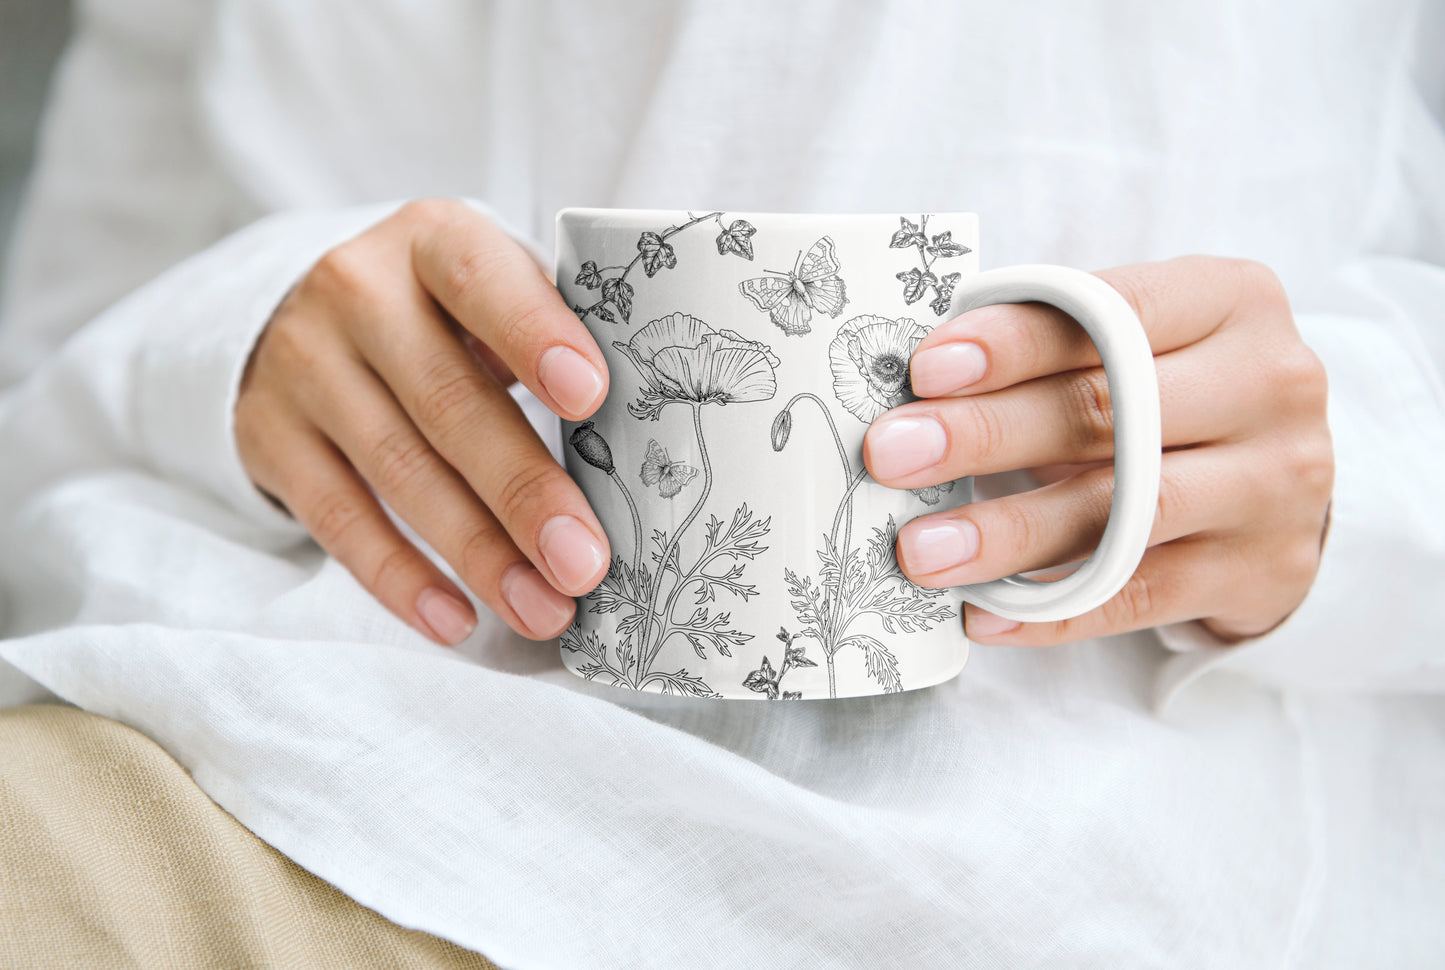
pixel 1259 282
pixel 986 438
pixel 451 393
pixel 530 484
pixel 393 568
pixel 477 561
pixel 1023 532
pixel 1093 410
pixel 1133 605
pixel 398 456
pixel 429 212
pixel 333 517
pixel 522 326
pixel 1136 291
pixel 1300 376
pixel 477 270
pixel 344 270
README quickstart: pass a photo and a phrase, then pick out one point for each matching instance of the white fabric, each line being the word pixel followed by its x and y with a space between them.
pixel 1287 810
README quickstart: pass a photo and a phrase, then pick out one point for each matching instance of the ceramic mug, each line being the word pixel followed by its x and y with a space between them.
pixel 753 556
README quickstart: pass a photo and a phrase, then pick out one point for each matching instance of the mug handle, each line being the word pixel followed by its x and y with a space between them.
pixel 1134 398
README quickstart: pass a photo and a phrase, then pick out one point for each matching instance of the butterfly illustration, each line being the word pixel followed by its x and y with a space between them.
pixel 669 476
pixel 790 298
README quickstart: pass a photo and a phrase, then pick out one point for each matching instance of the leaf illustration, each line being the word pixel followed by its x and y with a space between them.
pixel 764 680
pixel 944 246
pixel 702 628
pixel 796 658
pixel 681 683
pixel 619 292
pixel 908 234
pixel 581 311
pixel 805 602
pixel 602 313
pixel 915 283
pixel 882 665
pixel 588 645
pixel 656 255
pixel 736 238
pixel 792 695
pixel 944 289
pixel 590 671
pixel 589 277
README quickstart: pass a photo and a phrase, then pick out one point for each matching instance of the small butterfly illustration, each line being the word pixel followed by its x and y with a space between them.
pixel 790 298
pixel 669 476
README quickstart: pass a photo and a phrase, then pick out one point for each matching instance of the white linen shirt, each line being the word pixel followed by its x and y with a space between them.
pixel 1287 809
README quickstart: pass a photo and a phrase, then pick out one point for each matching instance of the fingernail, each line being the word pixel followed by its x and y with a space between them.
pixel 947 368
pixel 982 623
pixel 903 445
pixel 574 383
pixel 449 619
pixel 939 546
pixel 572 552
pixel 541 608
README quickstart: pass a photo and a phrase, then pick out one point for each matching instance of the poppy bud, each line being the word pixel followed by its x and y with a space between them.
pixel 782 427
pixel 592 447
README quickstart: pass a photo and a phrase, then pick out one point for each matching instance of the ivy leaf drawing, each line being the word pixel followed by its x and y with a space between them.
pixel 589 277
pixel 737 238
pixel 944 246
pixel 792 695
pixel 908 234
pixel 764 680
pixel 581 311
pixel 796 658
pixel 656 255
pixel 602 313
pixel 619 293
pixel 915 283
pixel 944 289
pixel 882 665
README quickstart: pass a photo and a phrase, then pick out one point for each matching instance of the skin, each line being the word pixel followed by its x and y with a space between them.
pixel 1248 466
pixel 384 374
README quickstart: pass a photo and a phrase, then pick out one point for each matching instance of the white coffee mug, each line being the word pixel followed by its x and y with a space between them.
pixel 753 556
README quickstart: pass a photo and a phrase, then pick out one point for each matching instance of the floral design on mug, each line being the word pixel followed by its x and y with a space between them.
pixel 767 681
pixel 681 360
pixel 920 279
pixel 654 254
pixel 789 298
pixel 869 358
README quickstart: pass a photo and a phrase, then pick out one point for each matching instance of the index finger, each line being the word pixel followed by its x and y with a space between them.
pixel 1179 301
pixel 489 285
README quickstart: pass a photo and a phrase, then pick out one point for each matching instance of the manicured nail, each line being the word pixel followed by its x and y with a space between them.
pixel 942 545
pixel 572 552
pixel 449 619
pixel 982 623
pixel 903 445
pixel 541 608
pixel 947 368
pixel 574 383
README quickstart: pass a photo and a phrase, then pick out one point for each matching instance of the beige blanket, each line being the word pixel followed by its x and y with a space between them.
pixel 110 856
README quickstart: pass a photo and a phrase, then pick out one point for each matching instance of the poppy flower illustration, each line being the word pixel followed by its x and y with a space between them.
pixel 683 359
pixel 869 358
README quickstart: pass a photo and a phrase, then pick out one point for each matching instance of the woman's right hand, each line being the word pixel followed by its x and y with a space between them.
pixel 384 374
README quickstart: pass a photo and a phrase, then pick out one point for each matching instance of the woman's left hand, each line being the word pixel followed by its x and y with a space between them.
pixel 1248 465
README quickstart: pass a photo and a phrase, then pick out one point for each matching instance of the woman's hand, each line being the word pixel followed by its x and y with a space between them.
pixel 386 371
pixel 1248 467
